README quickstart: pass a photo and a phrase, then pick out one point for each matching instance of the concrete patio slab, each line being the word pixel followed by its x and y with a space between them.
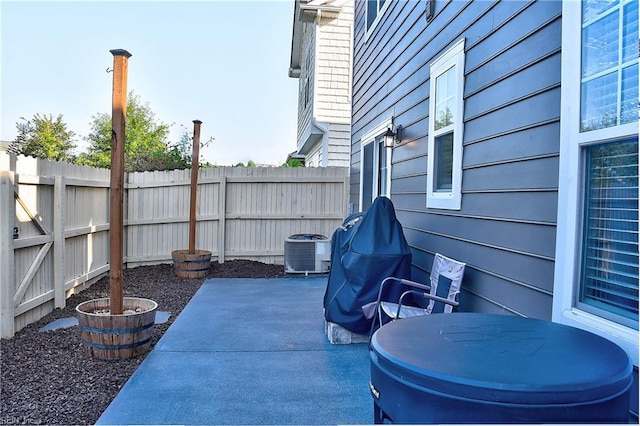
pixel 249 351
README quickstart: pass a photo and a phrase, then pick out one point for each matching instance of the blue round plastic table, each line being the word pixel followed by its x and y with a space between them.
pixel 482 368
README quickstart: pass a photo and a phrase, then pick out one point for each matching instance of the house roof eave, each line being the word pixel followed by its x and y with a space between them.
pixel 307 11
pixel 296 43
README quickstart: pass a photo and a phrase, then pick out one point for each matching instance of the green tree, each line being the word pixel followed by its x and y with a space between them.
pixel 293 162
pixel 146 141
pixel 44 137
pixel 250 163
pixel 179 154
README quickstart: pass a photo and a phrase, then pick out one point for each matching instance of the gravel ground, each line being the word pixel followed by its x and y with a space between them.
pixel 47 379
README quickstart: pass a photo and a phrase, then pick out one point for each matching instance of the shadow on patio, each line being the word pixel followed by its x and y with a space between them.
pixel 249 351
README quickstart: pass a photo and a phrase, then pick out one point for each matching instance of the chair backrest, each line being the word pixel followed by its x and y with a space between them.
pixel 446 280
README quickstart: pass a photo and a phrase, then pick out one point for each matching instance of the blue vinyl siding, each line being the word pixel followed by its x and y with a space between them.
pixel 505 230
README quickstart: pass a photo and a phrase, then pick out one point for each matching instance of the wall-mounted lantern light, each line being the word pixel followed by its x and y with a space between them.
pixel 391 138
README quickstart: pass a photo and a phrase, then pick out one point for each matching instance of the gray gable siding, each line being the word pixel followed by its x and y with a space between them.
pixel 505 230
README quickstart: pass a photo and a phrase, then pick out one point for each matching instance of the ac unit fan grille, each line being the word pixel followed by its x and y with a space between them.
pixel 300 255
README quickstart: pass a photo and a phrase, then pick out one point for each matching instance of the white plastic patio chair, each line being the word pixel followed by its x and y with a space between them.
pixel 445 283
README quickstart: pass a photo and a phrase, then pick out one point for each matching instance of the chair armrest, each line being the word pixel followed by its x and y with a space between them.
pixel 402 281
pixel 388 280
pixel 428 296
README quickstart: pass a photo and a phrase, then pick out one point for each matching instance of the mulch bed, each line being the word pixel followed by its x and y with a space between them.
pixel 46 378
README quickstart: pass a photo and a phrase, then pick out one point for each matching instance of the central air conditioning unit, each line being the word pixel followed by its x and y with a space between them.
pixel 307 253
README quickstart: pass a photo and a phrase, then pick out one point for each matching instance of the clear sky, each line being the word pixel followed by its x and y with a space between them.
pixel 222 62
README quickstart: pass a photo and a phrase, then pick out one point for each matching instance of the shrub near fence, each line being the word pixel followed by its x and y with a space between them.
pixel 62 218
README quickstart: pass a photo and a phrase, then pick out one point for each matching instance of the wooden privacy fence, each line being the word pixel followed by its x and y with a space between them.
pixel 54 223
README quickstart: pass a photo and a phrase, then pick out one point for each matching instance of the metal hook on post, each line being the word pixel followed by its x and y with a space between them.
pixel 109 70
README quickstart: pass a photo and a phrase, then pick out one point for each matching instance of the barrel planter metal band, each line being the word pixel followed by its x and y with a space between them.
pixel 113 337
pixel 120 346
pixel 115 331
pixel 191 265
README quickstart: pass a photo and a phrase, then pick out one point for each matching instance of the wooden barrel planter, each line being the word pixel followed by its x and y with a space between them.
pixel 113 337
pixel 191 265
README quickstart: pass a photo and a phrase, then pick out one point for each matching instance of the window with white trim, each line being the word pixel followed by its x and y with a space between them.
pixel 608 281
pixel 375 9
pixel 596 271
pixel 609 92
pixel 375 166
pixel 446 109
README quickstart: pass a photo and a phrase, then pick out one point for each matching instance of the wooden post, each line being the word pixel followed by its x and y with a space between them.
pixel 116 221
pixel 7 271
pixel 222 216
pixel 59 219
pixel 194 185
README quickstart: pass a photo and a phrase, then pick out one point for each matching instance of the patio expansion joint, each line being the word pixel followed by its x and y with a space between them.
pixel 249 351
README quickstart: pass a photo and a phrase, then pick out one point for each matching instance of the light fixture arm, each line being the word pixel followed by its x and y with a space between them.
pixel 398 134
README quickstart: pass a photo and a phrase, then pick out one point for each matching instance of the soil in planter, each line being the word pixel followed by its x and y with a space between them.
pixel 126 311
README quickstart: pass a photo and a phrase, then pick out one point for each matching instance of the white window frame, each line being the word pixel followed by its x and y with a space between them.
pixel 377 19
pixel 366 139
pixel 451 200
pixel 570 188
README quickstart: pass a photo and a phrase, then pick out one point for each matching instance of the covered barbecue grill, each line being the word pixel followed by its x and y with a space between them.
pixel 364 250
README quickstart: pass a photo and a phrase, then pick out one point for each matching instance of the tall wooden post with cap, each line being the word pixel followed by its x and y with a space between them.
pixel 116 222
pixel 195 156
pixel 192 263
pixel 117 327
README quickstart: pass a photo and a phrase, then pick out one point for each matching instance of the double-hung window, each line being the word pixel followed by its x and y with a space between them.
pixel 444 167
pixel 596 275
pixel 375 161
